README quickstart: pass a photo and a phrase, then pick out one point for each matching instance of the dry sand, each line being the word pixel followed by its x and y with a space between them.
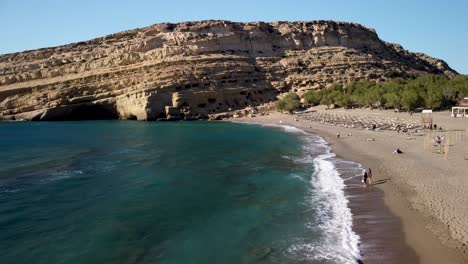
pixel 427 196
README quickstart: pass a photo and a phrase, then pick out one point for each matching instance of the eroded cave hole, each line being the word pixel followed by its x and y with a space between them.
pixel 161 115
pixel 132 117
pixel 82 112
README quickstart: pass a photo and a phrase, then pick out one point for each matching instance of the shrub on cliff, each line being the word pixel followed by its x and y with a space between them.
pixel 289 103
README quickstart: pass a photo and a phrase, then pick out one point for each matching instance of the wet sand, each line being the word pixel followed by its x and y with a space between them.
pixel 372 221
pixel 392 218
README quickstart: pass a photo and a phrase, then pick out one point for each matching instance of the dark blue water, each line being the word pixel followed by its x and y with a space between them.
pixel 140 192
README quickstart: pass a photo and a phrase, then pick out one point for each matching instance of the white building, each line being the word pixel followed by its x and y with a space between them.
pixel 461 110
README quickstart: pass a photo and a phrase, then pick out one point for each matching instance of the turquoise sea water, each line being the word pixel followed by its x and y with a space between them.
pixel 186 192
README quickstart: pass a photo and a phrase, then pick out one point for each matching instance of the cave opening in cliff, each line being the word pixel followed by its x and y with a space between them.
pixel 161 116
pixel 132 117
pixel 92 112
pixel 82 112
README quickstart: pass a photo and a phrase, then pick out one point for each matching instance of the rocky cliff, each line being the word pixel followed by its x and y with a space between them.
pixel 196 69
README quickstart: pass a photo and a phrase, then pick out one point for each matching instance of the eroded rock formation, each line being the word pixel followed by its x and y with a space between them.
pixel 195 69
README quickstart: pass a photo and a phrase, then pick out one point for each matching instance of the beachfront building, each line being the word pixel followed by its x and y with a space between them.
pixel 461 110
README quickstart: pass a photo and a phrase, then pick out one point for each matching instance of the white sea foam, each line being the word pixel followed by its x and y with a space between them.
pixel 51 177
pixel 298 177
pixel 334 213
pixel 61 175
pixel 293 129
pixel 339 242
pixel 287 128
pixel 6 189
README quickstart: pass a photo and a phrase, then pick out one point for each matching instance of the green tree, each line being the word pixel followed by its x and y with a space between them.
pixel 343 100
pixel 456 88
pixel 326 100
pixel 374 96
pixel 433 98
pixel 312 98
pixel 336 87
pixel 434 91
pixel 330 97
pixel 409 99
pixel 392 100
pixel 359 92
pixel 289 103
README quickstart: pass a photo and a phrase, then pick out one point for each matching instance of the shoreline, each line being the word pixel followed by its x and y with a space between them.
pixel 390 229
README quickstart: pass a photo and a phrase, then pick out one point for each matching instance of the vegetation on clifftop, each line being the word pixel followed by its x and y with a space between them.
pixel 427 91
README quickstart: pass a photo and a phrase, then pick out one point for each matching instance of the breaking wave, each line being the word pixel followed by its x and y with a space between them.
pixel 339 243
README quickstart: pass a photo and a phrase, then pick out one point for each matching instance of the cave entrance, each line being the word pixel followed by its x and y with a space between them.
pixel 161 116
pixel 81 112
pixel 93 112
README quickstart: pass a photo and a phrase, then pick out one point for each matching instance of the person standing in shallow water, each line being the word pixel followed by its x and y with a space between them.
pixel 369 175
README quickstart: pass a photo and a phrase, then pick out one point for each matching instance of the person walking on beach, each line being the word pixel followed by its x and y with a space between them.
pixel 369 175
pixel 365 178
pixel 338 135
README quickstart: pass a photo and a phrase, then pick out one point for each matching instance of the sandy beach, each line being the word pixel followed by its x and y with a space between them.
pixel 418 210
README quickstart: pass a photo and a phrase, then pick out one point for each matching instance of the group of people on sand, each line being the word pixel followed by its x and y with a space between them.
pixel 431 127
pixel 367 177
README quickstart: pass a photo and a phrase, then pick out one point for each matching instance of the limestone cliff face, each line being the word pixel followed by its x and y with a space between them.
pixel 195 69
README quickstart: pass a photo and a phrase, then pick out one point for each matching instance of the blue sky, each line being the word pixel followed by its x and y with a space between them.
pixel 437 28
